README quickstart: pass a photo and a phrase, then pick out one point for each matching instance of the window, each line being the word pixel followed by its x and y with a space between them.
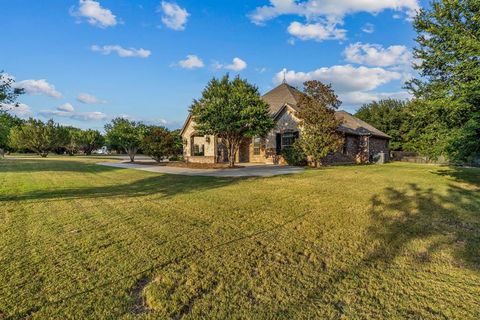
pixel 257 144
pixel 288 138
pixel 198 150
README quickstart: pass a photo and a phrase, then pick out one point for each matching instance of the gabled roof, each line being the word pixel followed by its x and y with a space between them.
pixel 353 125
pixel 281 95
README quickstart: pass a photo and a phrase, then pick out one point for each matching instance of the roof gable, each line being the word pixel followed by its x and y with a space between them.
pixel 281 95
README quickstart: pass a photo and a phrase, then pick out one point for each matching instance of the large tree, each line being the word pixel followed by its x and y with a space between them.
pixel 319 134
pixel 89 140
pixel 389 116
pixel 158 143
pixel 36 136
pixel 125 134
pixel 448 61
pixel 231 110
pixel 7 122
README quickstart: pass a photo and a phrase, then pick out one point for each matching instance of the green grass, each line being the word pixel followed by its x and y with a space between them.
pixel 83 241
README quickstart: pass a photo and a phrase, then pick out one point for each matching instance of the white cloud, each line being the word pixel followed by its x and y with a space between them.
pixel 376 55
pixel 38 87
pixel 362 97
pixel 67 107
pixel 316 31
pixel 344 78
pixel 191 62
pixel 368 28
pixel 21 109
pixel 95 15
pixel 236 65
pixel 89 99
pixel 81 116
pixel 331 10
pixel 122 52
pixel 174 17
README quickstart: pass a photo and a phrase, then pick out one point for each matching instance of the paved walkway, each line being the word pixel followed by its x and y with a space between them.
pixel 250 170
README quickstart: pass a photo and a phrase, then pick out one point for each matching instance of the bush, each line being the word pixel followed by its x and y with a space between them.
pixel 295 156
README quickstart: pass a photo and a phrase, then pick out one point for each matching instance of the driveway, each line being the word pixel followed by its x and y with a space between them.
pixel 251 170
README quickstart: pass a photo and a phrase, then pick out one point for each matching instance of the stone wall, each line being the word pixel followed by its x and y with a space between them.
pixel 378 146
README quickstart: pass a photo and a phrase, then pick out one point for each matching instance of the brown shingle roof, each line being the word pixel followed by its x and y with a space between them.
pixel 281 95
pixel 285 94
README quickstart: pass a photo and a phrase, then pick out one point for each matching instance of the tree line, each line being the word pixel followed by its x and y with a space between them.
pixel 121 135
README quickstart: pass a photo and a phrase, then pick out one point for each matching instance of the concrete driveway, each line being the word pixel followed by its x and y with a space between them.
pixel 250 170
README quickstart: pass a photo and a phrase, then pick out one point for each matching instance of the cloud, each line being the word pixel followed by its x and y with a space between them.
pixel 316 31
pixel 67 110
pixel 377 56
pixel 38 87
pixel 362 97
pixel 67 107
pixel 89 99
pixel 95 15
pixel 81 116
pixel 344 78
pixel 236 65
pixel 331 10
pixel 191 62
pixel 368 28
pixel 122 52
pixel 21 109
pixel 174 17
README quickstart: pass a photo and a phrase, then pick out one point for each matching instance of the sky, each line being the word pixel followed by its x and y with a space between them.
pixel 84 62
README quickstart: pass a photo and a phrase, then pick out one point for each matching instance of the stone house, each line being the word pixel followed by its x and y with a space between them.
pixel 363 142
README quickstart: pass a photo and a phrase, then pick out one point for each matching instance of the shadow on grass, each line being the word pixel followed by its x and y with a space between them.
pixel 42 165
pixel 422 214
pixel 466 175
pixel 162 185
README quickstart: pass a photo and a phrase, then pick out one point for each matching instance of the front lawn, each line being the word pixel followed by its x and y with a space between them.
pixel 83 241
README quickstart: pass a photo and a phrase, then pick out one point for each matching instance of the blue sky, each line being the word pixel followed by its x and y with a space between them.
pixel 85 62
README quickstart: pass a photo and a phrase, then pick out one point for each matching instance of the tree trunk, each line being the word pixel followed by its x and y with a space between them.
pixel 2 153
pixel 131 153
pixel 232 153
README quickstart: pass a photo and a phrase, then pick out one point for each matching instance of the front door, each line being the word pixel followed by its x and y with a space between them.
pixel 244 151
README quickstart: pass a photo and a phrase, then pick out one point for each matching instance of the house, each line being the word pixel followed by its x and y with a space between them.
pixel 363 142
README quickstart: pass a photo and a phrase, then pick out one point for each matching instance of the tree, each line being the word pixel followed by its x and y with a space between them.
pixel 177 142
pixel 7 122
pixel 448 55
pixel 389 116
pixel 8 94
pixel 73 143
pixel 36 136
pixel 317 119
pixel 233 111
pixel 125 134
pixel 89 140
pixel 158 143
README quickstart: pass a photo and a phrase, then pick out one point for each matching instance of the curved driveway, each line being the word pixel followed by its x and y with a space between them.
pixel 250 170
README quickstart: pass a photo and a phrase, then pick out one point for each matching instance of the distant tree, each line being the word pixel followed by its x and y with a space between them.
pixel 178 142
pixel 389 116
pixel 319 134
pixel 158 143
pixel 8 94
pixel 448 88
pixel 36 136
pixel 73 143
pixel 125 134
pixel 7 122
pixel 89 140
pixel 231 110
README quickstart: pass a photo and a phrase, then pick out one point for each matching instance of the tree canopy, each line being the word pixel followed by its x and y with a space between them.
pixel 317 119
pixel 8 93
pixel 448 89
pixel 125 134
pixel 158 143
pixel 231 110
pixel 37 136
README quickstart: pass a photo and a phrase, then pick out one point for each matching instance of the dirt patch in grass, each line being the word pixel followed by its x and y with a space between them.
pixel 139 304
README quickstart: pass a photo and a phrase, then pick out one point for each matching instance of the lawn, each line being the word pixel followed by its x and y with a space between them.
pixel 83 241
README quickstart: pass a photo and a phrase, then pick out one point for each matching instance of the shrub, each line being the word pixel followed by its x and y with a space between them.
pixel 295 156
